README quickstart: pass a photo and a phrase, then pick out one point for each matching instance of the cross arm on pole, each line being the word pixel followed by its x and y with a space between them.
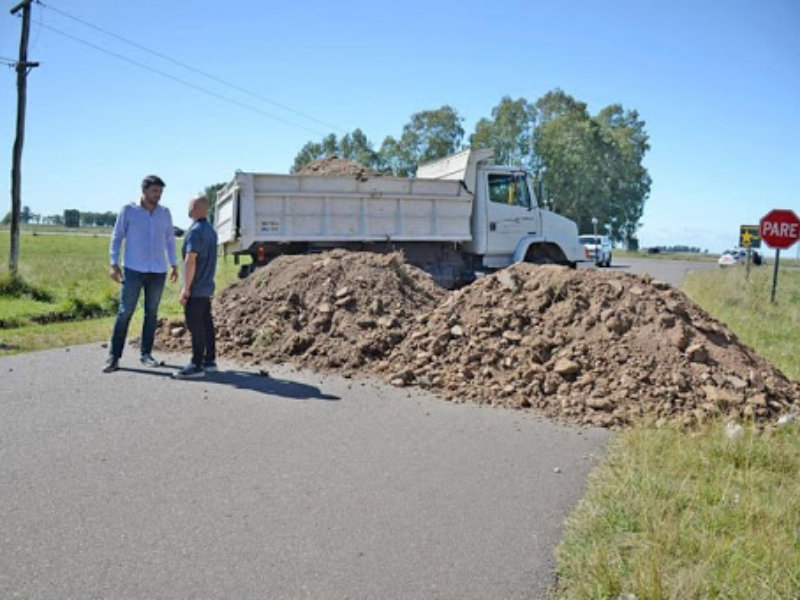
pixel 20 6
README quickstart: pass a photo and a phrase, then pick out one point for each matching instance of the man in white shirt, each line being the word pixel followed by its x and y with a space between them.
pixel 146 228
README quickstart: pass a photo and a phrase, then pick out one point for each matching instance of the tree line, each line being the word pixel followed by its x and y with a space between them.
pixel 70 218
pixel 590 165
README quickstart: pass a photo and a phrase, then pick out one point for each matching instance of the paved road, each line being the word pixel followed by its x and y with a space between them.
pixel 133 485
pixel 672 271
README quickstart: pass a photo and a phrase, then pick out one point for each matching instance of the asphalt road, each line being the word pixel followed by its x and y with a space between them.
pixel 133 485
pixel 669 270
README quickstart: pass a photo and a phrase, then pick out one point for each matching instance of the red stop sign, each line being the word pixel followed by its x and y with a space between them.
pixel 780 228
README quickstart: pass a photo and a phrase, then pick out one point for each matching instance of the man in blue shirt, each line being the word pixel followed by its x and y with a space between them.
pixel 200 265
pixel 146 228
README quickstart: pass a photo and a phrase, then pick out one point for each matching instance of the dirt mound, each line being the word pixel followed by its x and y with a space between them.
pixel 337 310
pixel 333 165
pixel 586 346
pixel 593 347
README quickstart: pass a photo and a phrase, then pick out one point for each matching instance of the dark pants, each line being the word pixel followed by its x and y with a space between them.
pixel 132 285
pixel 200 323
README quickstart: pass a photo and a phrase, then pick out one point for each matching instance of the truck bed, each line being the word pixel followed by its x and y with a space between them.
pixel 258 207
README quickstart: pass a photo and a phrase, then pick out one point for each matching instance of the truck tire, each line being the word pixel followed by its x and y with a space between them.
pixel 545 254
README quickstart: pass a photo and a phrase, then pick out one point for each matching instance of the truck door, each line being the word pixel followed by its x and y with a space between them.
pixel 512 214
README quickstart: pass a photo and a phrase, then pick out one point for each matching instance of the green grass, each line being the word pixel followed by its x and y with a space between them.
pixel 671 514
pixel 745 305
pixel 18 312
pixel 64 278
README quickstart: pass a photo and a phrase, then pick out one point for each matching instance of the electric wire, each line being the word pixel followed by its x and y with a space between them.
pixel 35 41
pixel 182 81
pixel 189 67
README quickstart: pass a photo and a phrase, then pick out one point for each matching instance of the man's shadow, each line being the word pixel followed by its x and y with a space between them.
pixel 246 380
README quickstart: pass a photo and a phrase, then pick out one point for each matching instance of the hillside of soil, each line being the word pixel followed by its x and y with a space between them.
pixel 587 346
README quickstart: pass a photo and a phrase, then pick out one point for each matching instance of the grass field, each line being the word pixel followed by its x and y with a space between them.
pixel 65 278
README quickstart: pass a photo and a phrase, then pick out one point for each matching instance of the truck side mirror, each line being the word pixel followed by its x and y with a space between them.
pixel 541 196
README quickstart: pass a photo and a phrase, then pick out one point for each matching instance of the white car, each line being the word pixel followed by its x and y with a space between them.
pixel 729 258
pixel 738 256
pixel 599 247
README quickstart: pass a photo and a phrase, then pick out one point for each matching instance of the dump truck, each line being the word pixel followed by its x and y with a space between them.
pixel 461 217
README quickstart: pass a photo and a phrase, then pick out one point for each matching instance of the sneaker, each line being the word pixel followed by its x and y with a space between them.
pixel 148 361
pixel 190 371
pixel 112 364
pixel 210 367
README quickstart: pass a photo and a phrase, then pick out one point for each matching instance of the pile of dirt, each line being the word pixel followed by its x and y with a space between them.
pixel 592 347
pixel 588 346
pixel 337 310
pixel 340 167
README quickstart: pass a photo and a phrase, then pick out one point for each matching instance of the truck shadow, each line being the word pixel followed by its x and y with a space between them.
pixel 245 380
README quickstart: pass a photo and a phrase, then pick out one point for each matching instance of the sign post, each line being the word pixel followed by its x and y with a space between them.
pixel 780 229
pixel 749 237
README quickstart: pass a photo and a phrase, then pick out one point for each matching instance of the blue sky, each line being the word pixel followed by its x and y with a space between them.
pixel 718 84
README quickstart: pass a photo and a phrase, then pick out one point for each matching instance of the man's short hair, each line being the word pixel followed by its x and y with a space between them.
pixel 201 200
pixel 152 180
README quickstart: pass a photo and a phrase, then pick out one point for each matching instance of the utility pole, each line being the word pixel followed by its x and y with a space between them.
pixel 23 66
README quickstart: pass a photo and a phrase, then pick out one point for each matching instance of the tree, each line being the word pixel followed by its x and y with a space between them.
pixel 353 146
pixel 556 103
pixel 592 166
pixel 509 132
pixel 358 148
pixel 310 152
pixel 565 162
pixel 631 181
pixel 26 214
pixel 97 219
pixel 72 218
pixel 210 192
pixel 428 136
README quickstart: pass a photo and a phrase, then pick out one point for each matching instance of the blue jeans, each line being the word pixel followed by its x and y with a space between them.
pixel 132 284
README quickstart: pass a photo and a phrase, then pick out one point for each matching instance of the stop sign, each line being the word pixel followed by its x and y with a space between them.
pixel 780 228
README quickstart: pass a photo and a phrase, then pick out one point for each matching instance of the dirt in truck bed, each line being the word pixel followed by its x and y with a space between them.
pixel 341 167
pixel 591 347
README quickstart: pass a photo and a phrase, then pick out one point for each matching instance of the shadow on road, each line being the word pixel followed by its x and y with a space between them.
pixel 245 380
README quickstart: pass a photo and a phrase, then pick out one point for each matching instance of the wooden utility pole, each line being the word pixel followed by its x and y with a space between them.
pixel 16 175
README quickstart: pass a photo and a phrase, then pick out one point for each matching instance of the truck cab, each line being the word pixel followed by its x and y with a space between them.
pixel 509 225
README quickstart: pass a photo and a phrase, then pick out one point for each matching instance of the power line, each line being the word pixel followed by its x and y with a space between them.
pixel 181 81
pixel 190 67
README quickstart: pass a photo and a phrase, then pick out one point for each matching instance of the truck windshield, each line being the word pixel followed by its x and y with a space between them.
pixel 509 189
